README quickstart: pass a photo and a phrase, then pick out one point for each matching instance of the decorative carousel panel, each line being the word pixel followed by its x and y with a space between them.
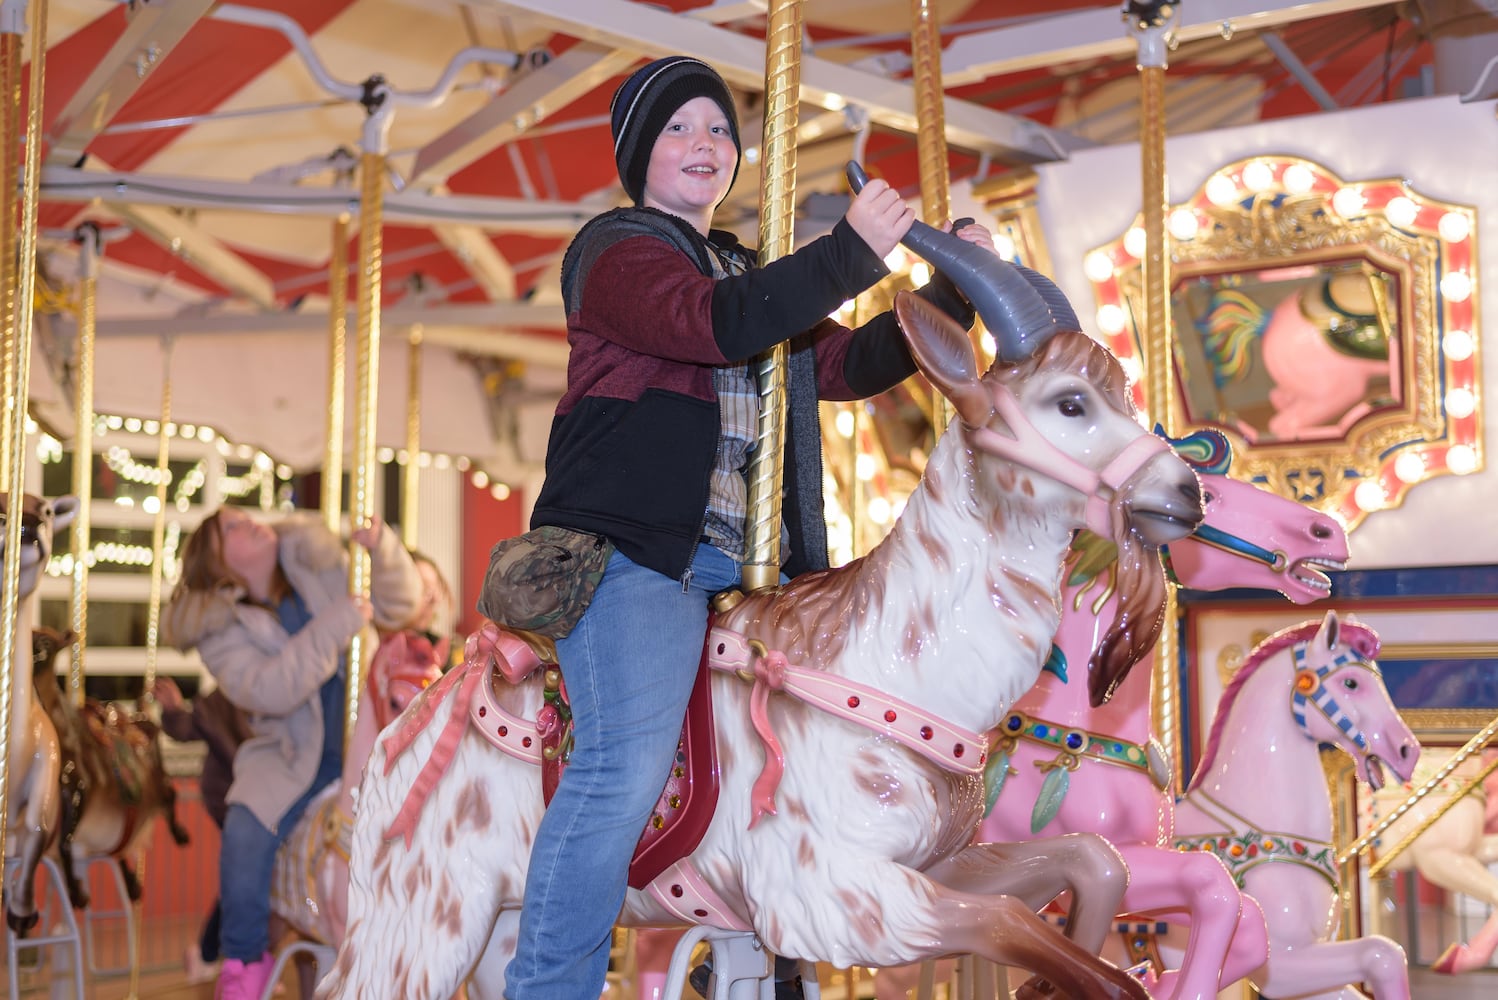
pixel 1329 327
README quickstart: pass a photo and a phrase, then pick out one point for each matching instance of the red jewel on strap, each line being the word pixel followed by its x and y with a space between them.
pixel 926 733
pixel 677 891
pixel 483 711
pixel 526 742
pixel 959 750
pixel 889 715
pixel 504 730
pixel 853 701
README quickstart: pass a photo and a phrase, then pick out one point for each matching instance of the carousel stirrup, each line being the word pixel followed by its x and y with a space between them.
pixel 740 969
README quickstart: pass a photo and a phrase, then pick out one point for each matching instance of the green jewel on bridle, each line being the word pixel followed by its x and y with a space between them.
pixel 1073 745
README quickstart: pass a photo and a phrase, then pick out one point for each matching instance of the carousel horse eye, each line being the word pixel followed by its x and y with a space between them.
pixel 1350 683
pixel 1321 531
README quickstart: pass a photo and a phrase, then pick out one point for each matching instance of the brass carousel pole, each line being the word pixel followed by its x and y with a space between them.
pixel 332 466
pixel 12 58
pixel 13 424
pixel 777 208
pixel 1151 23
pixel 83 451
pixel 153 613
pixel 361 500
pixel 411 472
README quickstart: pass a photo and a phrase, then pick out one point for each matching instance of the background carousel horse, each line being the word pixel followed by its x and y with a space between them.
pixel 309 885
pixel 1251 805
pixel 1454 853
pixel 1325 345
pixel 912 652
pixel 31 749
pixel 1114 783
pixel 114 782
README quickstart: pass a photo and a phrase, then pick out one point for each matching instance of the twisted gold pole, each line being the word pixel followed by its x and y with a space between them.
pixel 13 424
pixel 1479 740
pixel 332 466
pixel 411 473
pixel 83 455
pixel 1388 857
pixel 158 523
pixel 12 58
pixel 1159 377
pixel 361 502
pixel 777 212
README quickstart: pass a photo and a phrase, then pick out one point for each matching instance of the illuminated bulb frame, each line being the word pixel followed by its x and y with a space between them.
pixel 1430 435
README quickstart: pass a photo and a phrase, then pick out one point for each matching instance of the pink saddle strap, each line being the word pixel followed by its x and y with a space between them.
pixel 952 747
pixel 682 890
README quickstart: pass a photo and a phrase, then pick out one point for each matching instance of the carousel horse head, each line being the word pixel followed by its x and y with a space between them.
pixel 1250 537
pixel 1336 696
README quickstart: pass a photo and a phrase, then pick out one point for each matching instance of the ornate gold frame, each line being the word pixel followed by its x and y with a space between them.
pixel 1275 212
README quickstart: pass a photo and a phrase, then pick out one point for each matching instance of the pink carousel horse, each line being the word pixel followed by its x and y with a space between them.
pixel 1115 784
pixel 1252 805
pixel 857 794
pixel 1454 853
pixel 31 748
pixel 309 885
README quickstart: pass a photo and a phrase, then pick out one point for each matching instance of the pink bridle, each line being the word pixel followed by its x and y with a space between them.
pixel 1027 447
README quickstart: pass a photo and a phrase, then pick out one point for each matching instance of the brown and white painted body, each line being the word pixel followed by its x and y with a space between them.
pixel 33 758
pixel 953 613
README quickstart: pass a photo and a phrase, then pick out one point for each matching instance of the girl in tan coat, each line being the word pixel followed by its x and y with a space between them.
pixel 268 609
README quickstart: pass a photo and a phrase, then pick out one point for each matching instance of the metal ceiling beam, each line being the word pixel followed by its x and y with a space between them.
pixel 1101 34
pixel 154 28
pixel 112 188
pixel 480 258
pixel 481 329
pixel 741 60
pixel 532 98
pixel 205 253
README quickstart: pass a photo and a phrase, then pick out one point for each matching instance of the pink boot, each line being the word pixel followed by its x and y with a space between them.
pixel 244 981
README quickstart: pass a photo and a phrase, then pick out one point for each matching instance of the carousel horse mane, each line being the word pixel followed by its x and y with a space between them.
pixel 1360 638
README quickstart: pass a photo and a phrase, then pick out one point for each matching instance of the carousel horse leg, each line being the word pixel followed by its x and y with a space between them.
pixel 487 981
pixel 1227 939
pixel 1375 960
pixel 1456 871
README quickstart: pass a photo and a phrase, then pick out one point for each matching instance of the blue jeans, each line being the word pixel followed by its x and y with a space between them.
pixel 629 667
pixel 246 860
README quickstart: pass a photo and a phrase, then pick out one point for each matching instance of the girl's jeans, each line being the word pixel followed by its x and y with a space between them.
pixel 629 666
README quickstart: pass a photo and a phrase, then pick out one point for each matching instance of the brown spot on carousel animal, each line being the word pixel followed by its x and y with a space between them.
pixel 846 810
pixel 114 782
pixel 31 748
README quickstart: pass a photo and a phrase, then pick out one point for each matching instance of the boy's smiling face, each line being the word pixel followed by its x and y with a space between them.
pixel 692 162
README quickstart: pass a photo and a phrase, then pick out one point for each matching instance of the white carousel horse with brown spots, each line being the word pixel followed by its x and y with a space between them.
pixel 33 799
pixel 843 846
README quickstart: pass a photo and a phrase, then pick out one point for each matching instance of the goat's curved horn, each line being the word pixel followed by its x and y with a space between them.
pixel 1021 312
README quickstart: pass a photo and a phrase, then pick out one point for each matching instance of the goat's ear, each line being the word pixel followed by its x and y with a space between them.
pixel 945 355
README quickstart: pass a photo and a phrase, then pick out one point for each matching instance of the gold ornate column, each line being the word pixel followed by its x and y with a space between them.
pixel 367 377
pixel 83 452
pixel 1151 23
pixel 13 424
pixel 777 214
pixel 332 466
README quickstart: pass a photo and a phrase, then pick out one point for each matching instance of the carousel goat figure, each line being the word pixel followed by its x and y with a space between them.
pixel 31 749
pixel 309 886
pixel 1251 805
pixel 1061 765
pixel 845 807
pixel 1453 853
pixel 114 782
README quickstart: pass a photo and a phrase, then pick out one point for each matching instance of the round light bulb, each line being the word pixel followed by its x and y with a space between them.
pixel 1410 467
pixel 1461 459
pixel 1454 227
pixel 1298 178
pixel 1457 344
pixel 1348 202
pixel 1183 224
pixel 863 467
pixel 1369 496
pixel 1098 267
pixel 1456 286
pixel 1134 242
pixel 1401 211
pixel 1110 319
pixel 1460 403
pixel 1258 176
pixel 1005 246
pixel 879 510
pixel 1221 191
pixel 844 423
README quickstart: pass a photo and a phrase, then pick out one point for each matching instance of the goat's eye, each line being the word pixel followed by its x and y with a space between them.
pixel 1071 407
pixel 1350 683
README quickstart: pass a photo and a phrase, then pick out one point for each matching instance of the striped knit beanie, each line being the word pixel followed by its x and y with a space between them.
pixel 645 102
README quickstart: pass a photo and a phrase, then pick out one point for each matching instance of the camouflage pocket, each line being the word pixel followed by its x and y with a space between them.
pixel 543 580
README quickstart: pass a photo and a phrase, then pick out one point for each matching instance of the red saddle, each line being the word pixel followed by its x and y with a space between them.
pixel 685 808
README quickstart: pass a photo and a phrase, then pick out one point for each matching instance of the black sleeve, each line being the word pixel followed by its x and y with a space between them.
pixel 755 311
pixel 879 359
